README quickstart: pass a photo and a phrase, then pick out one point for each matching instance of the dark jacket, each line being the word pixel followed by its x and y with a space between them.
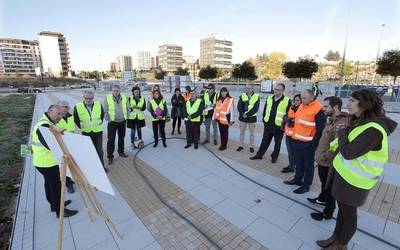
pixel 270 124
pixel 177 106
pixel 370 139
pixel 199 112
pixel 242 108
pixel 165 109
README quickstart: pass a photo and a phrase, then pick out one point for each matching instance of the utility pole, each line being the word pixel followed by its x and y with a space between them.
pixel 378 52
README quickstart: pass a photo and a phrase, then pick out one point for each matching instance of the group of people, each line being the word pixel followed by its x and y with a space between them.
pixel 349 149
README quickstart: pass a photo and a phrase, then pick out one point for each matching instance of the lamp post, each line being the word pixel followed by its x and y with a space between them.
pixel 342 78
pixel 378 52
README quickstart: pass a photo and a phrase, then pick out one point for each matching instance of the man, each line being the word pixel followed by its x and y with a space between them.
pixel 308 125
pixel 248 106
pixel 192 112
pixel 210 100
pixel 331 106
pixel 88 117
pixel 66 123
pixel 116 110
pixel 275 108
pixel 45 162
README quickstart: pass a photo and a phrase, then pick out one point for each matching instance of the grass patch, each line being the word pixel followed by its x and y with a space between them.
pixel 16 117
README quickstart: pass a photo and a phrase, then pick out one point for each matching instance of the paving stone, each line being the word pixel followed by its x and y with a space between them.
pixel 236 214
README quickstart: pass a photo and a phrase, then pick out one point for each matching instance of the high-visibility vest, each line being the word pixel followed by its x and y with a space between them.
pixel 42 157
pixel 154 106
pixel 304 124
pixel 136 113
pixel 289 130
pixel 90 121
pixel 208 102
pixel 280 111
pixel 254 98
pixel 68 125
pixel 364 171
pixel 111 106
pixel 222 109
pixel 193 109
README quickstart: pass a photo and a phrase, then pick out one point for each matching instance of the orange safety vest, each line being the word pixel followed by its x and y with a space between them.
pixel 304 124
pixel 289 130
pixel 222 109
pixel 186 97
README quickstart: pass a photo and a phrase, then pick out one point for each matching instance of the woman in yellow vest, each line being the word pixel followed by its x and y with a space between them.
pixel 136 117
pixel 159 113
pixel 192 111
pixel 224 115
pixel 361 153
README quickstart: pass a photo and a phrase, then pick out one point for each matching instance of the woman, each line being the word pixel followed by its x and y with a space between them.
pixel 361 152
pixel 136 119
pixel 288 123
pixel 224 115
pixel 159 112
pixel 186 95
pixel 177 102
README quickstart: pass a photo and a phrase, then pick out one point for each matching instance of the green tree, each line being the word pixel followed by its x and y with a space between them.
pixel 246 70
pixel 389 64
pixel 332 56
pixel 208 73
pixel 159 75
pixel 302 68
pixel 348 69
pixel 181 72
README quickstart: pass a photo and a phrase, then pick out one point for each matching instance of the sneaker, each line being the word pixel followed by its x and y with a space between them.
pixel 302 190
pixel 66 203
pixel 240 148
pixel 320 216
pixel 71 189
pixel 316 201
pixel 221 148
pixel 251 150
pixel 68 213
pixel 155 145
pixel 256 157
pixel 187 146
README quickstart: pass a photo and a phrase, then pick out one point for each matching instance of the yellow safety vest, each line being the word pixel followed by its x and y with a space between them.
pixel 254 98
pixel 209 102
pixel 42 157
pixel 154 106
pixel 90 122
pixel 193 109
pixel 111 106
pixel 136 113
pixel 68 125
pixel 280 112
pixel 364 171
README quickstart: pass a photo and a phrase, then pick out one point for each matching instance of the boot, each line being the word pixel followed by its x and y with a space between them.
pixel 327 242
pixel 336 246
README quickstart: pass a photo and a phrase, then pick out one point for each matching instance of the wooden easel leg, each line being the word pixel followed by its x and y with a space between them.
pixel 61 212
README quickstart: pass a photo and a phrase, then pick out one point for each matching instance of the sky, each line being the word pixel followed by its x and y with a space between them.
pixel 98 31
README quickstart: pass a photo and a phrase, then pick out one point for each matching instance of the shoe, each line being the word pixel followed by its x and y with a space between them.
pixel 172 133
pixel 273 160
pixel 221 148
pixel 196 146
pixel 240 148
pixel 336 246
pixel 164 144
pixel 66 203
pixel 215 142
pixel 155 145
pixel 251 150
pixel 68 213
pixel 316 201
pixel 256 157
pixel 205 142
pixel 71 189
pixel 327 242
pixel 287 170
pixel 302 190
pixel 123 155
pixel 187 146
pixel 292 182
pixel 320 216
pixel 110 161
pixel 105 169
pixel 179 132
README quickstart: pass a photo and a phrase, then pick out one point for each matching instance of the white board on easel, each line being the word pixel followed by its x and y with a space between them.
pixel 84 153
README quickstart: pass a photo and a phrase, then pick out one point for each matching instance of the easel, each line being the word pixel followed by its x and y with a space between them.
pixel 85 189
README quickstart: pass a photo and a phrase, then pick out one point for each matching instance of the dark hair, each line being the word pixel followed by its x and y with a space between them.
pixel 188 88
pixel 370 104
pixel 177 89
pixel 210 85
pixel 156 86
pixel 282 85
pixel 333 101
pixel 136 88
pixel 220 93
pixel 296 96
pixel 159 93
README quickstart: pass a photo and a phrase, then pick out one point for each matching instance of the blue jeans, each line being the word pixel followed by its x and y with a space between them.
pixel 290 150
pixel 304 157
pixel 139 132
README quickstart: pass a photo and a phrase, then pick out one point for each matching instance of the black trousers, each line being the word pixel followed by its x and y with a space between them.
pixel 192 132
pixel 174 123
pixel 52 185
pixel 97 139
pixel 112 129
pixel 268 134
pixel 224 132
pixel 158 127
pixel 325 194
pixel 346 223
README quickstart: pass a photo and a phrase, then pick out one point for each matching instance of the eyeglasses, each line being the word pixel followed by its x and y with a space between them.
pixel 88 98
pixel 65 106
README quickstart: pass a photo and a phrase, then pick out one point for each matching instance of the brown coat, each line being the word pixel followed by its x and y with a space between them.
pixel 323 156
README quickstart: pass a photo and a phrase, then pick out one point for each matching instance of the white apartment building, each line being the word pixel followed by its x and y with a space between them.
pixel 216 51
pixel 170 57
pixel 141 60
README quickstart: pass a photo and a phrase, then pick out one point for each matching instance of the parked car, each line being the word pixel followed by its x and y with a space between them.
pixel 29 90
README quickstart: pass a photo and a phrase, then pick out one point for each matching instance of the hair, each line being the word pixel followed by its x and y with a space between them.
pixel 211 85
pixel 116 86
pixel 220 93
pixel 63 103
pixel 188 88
pixel 88 92
pixel 53 107
pixel 296 96
pixel 159 93
pixel 136 88
pixel 177 89
pixel 333 101
pixel 370 104
pixel 282 85
pixel 156 86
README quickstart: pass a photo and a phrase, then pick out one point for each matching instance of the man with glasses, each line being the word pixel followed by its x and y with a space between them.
pixel 210 100
pixel 88 117
pixel 275 108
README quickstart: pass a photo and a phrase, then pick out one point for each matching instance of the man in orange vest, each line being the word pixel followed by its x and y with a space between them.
pixel 308 125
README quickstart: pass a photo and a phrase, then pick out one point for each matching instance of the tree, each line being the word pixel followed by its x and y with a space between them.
pixel 389 64
pixel 332 56
pixel 348 69
pixel 159 75
pixel 208 72
pixel 181 72
pixel 246 70
pixel 302 68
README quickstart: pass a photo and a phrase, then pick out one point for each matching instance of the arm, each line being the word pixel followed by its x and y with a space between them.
pixel 232 111
pixel 76 118
pixel 320 120
pixel 166 110
pixel 144 106
pixel 41 138
pixel 265 108
pixel 102 113
pixel 239 106
pixel 254 110
pixel 105 107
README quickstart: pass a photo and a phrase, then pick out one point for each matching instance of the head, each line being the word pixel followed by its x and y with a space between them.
pixel 157 94
pixel 136 91
pixel 177 91
pixel 88 97
pixel 211 88
pixel 116 90
pixel 279 88
pixel 55 113
pixel 224 92
pixel 64 106
pixel 307 96
pixel 187 90
pixel 296 100
pixel 365 103
pixel 332 105
pixel 193 94
pixel 156 87
pixel 249 90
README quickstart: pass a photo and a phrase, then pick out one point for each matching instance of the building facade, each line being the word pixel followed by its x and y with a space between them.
pixel 216 52
pixel 113 67
pixel 124 63
pixel 19 58
pixel 170 57
pixel 54 54
pixel 141 60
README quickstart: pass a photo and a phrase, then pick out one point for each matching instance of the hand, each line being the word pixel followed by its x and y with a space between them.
pixel 231 123
pixel 340 127
pixel 244 115
pixel 159 117
pixel 59 130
